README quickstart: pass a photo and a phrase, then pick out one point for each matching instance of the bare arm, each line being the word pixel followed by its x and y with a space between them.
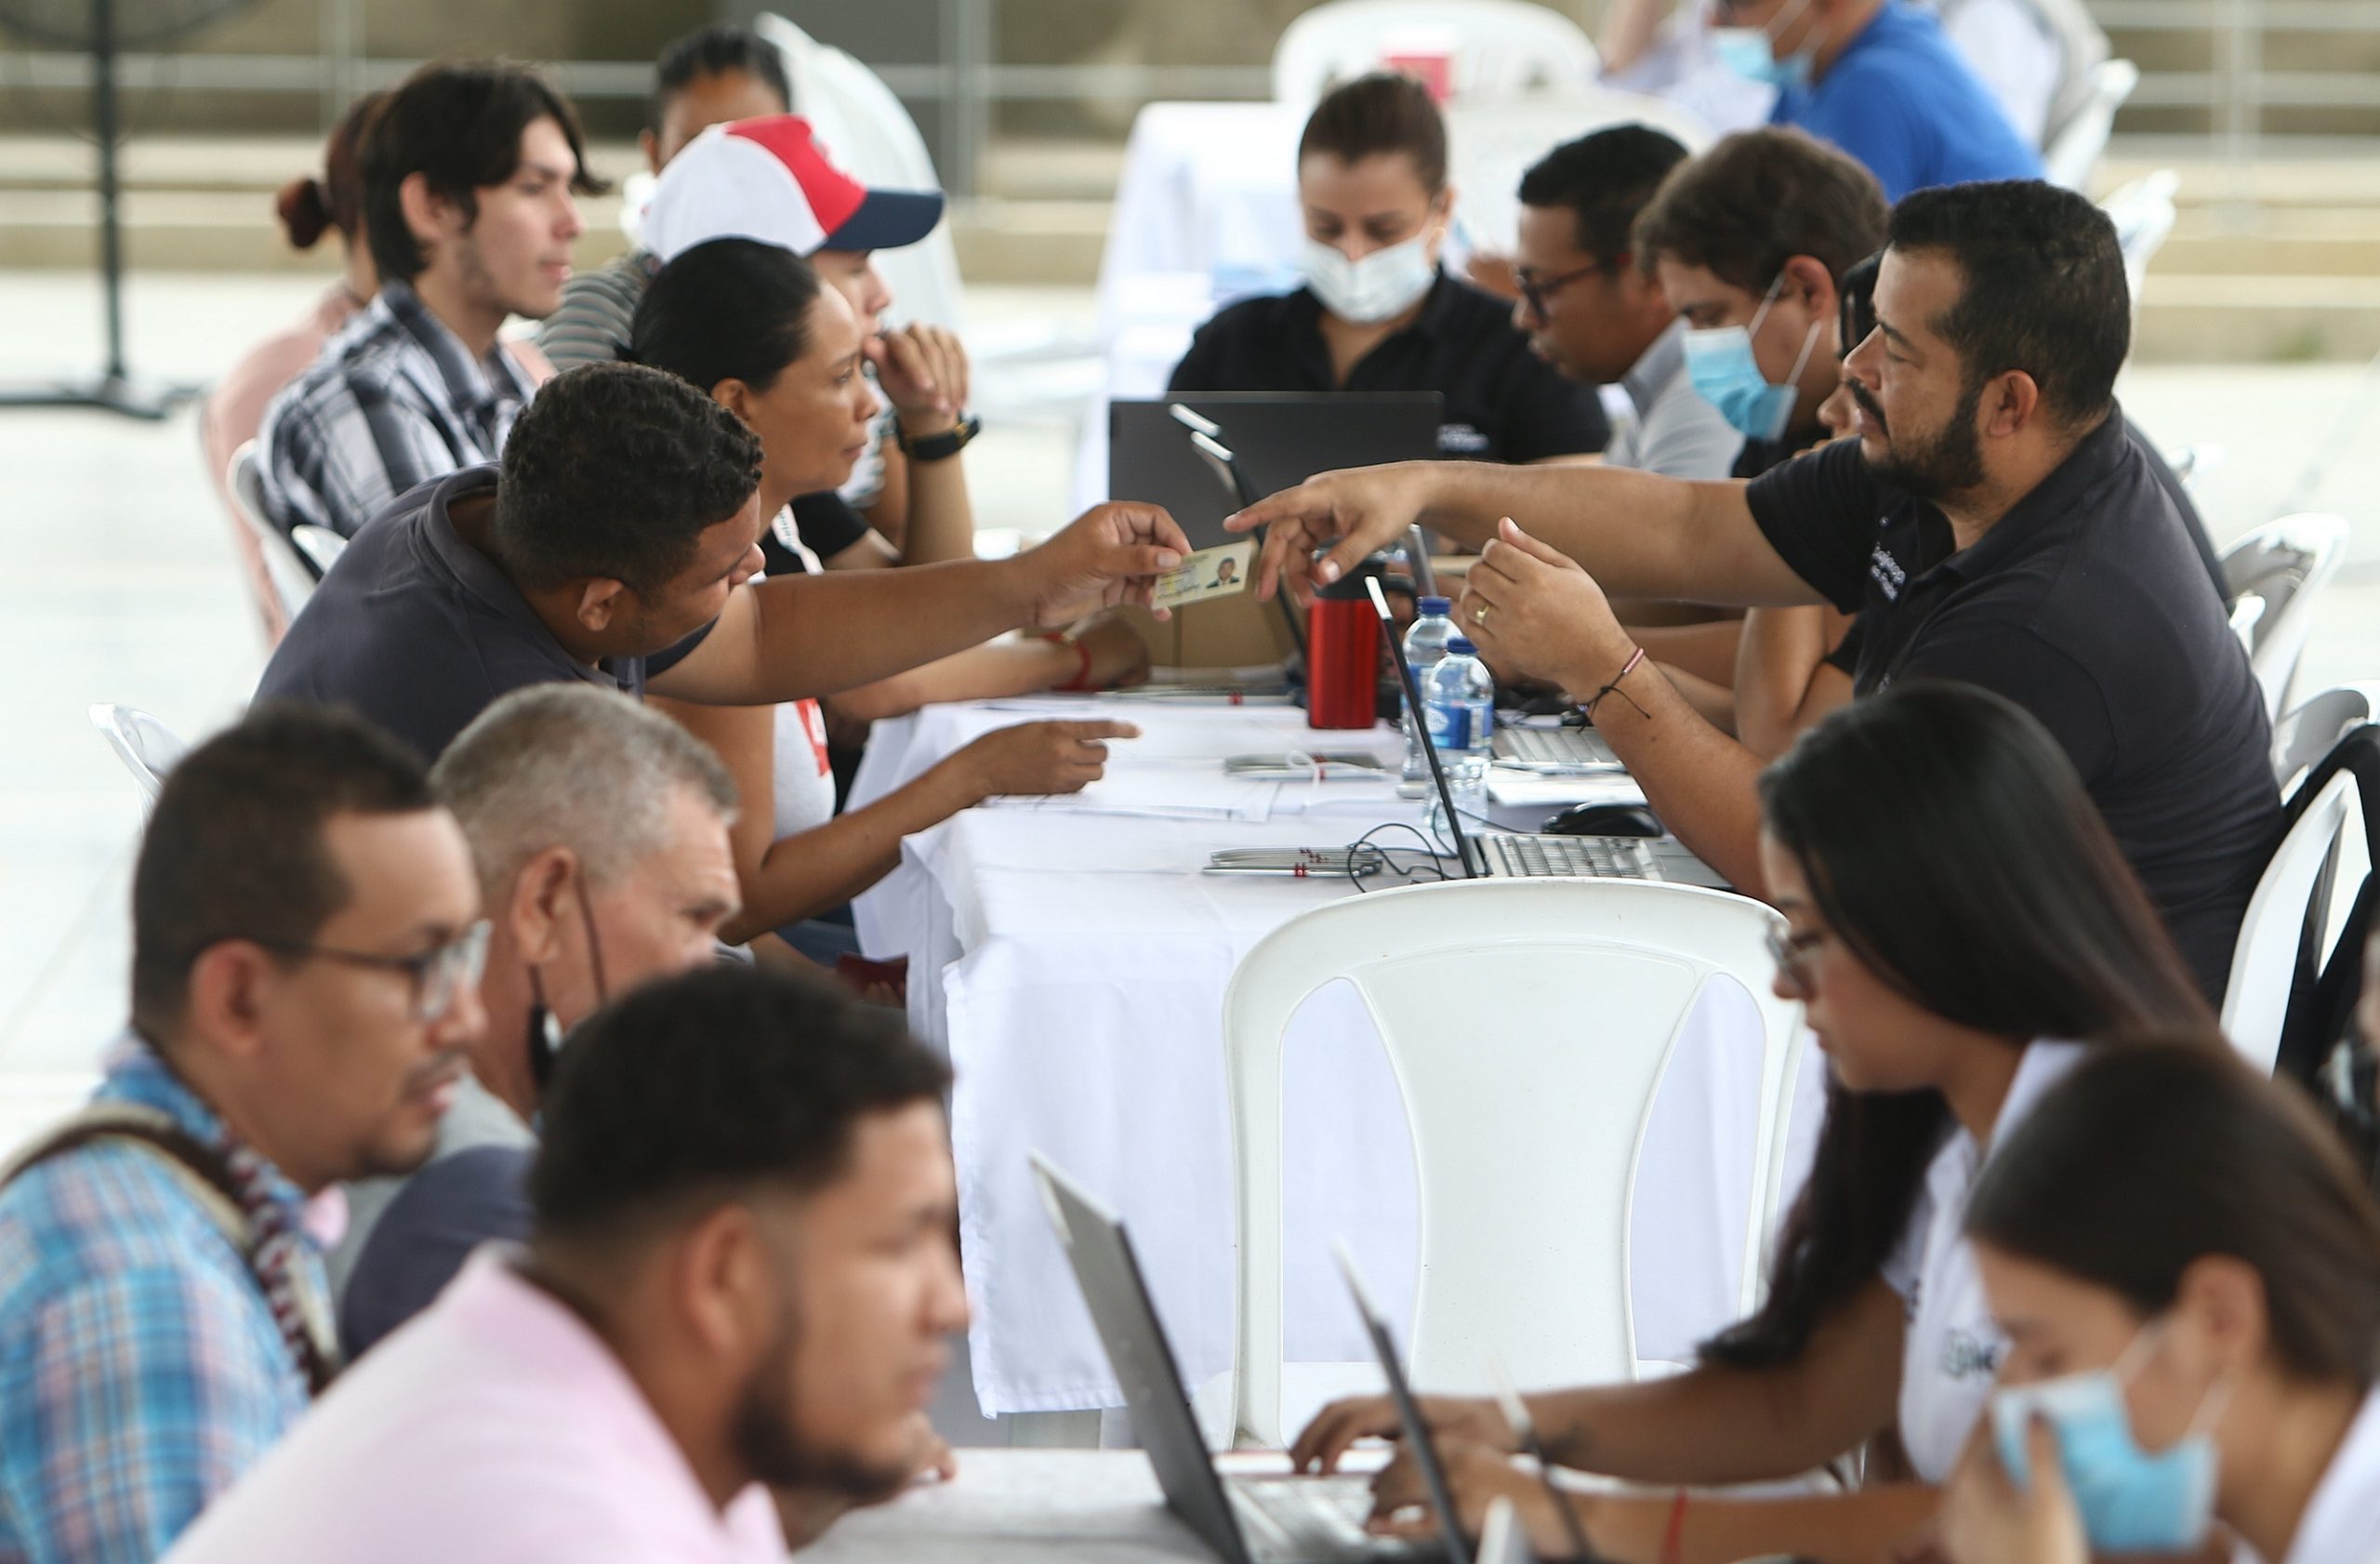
pixel 1642 534
pixel 1629 28
pixel 1709 1425
pixel 1707 650
pixel 786 638
pixel 787 880
pixel 1010 666
pixel 923 513
pixel 1783 681
pixel 1536 613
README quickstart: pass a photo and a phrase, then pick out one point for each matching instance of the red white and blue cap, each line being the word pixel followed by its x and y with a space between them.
pixel 769 179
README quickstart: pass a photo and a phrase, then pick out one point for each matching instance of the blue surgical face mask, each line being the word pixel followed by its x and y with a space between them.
pixel 1720 362
pixel 1750 51
pixel 2131 1501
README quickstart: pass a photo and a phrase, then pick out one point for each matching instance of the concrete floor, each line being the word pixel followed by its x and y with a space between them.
pixel 117 583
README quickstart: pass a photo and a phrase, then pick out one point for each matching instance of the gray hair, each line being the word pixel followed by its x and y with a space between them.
pixel 572 765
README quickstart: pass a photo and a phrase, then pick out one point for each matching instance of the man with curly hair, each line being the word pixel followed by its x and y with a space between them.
pixel 616 543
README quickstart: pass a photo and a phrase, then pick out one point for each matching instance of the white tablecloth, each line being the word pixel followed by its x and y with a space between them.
pixel 1074 965
pixel 1024 1505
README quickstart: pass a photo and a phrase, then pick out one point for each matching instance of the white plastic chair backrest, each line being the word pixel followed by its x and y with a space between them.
pixel 1495 48
pixel 2310 730
pixel 31 1102
pixel 292 582
pixel 2074 152
pixel 866 129
pixel 2286 563
pixel 2264 963
pixel 146 747
pixel 2144 215
pixel 2247 612
pixel 1527 1024
pixel 321 546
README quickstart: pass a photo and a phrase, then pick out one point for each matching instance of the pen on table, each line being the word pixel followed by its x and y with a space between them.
pixel 1525 1430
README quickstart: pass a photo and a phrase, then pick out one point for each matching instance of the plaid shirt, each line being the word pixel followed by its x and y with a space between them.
pixel 140 1369
pixel 395 401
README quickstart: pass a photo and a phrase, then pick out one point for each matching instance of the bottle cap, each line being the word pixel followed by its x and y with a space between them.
pixel 1441 607
pixel 1461 648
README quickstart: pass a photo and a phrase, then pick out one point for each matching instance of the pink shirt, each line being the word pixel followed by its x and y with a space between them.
pixel 496 1429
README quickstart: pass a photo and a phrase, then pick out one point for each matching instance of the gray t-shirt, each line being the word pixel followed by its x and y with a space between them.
pixel 406 1237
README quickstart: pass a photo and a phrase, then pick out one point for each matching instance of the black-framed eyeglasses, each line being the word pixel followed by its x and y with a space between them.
pixel 1791 954
pixel 1536 290
pixel 438 974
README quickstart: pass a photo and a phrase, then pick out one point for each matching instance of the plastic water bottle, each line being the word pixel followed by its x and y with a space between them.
pixel 1426 645
pixel 1462 716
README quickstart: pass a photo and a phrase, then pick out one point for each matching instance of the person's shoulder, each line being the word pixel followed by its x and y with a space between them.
pixel 1258 312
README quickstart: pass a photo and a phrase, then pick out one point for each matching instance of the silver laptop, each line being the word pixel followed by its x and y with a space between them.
pixel 1246 1518
pixel 1510 855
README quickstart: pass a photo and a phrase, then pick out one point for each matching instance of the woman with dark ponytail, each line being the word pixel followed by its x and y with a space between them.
pixel 1962 930
pixel 2187 1266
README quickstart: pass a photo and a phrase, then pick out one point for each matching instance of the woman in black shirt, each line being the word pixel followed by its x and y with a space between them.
pixel 1377 313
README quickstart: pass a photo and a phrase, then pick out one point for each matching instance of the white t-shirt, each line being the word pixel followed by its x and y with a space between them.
pixel 1953 1350
pixel 2342 1521
pixel 804 778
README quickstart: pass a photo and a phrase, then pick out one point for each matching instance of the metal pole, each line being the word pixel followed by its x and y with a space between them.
pixel 103 117
pixel 970 31
pixel 2242 128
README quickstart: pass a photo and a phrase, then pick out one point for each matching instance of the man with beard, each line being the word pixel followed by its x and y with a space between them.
pixel 1993 521
pixel 738 1290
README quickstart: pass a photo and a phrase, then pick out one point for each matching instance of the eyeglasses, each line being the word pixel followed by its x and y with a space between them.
pixel 1791 952
pixel 438 974
pixel 1537 290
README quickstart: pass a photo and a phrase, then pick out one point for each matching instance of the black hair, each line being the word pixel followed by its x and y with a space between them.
pixel 458 124
pixel 2145 1159
pixel 1949 845
pixel 310 208
pixel 1759 198
pixel 702 1088
pixel 2042 288
pixel 234 849
pixel 614 471
pixel 1379 112
pixel 726 310
pixel 1854 302
pixel 1604 179
pixel 714 51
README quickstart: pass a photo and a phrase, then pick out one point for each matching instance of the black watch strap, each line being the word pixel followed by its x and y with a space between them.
pixel 949 442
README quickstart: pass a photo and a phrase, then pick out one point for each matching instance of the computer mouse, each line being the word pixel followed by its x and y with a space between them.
pixel 1604 819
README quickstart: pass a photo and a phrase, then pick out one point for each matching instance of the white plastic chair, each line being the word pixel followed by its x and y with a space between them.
pixel 321 546
pixel 30 1102
pixel 2074 152
pixel 146 747
pixel 1490 146
pixel 1495 48
pixel 1528 1024
pixel 293 581
pixel 2265 963
pixel 2144 215
pixel 2285 563
pixel 2247 612
pixel 2306 732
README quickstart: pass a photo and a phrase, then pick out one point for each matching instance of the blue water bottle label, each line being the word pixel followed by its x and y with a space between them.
pixel 1449 725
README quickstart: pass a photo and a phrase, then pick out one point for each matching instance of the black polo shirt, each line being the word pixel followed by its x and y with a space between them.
pixel 1502 402
pixel 2087 605
pixel 420 632
pixel 824 523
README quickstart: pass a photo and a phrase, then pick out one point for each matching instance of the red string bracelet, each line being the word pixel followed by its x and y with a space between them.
pixel 1673 1537
pixel 1081 680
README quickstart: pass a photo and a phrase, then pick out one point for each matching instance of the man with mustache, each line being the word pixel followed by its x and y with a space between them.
pixel 305 952
pixel 739 1289
pixel 1993 520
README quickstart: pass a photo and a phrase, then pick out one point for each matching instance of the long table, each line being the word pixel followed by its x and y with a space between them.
pixel 1072 958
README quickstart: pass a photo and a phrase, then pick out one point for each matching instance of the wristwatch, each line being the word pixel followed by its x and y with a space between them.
pixel 949 442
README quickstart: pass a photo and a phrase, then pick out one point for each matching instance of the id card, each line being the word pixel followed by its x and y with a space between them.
pixel 1210 573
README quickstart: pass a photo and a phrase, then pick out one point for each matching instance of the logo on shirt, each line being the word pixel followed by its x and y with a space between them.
pixel 1970 1354
pixel 1461 438
pixel 1887 572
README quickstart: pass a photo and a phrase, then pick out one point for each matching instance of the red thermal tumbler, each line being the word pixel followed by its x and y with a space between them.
pixel 1342 657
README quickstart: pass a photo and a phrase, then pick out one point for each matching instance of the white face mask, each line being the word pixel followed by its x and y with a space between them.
pixel 1385 283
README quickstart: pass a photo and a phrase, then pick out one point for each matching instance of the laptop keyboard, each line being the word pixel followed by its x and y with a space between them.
pixel 1305 1519
pixel 1568 857
pixel 1552 747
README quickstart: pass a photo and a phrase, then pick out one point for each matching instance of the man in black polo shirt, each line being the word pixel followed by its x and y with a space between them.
pixel 616 544
pixel 1994 521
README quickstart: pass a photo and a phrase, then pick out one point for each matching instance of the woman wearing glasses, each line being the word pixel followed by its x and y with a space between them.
pixel 2188 1269
pixel 1962 930
pixel 1377 311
